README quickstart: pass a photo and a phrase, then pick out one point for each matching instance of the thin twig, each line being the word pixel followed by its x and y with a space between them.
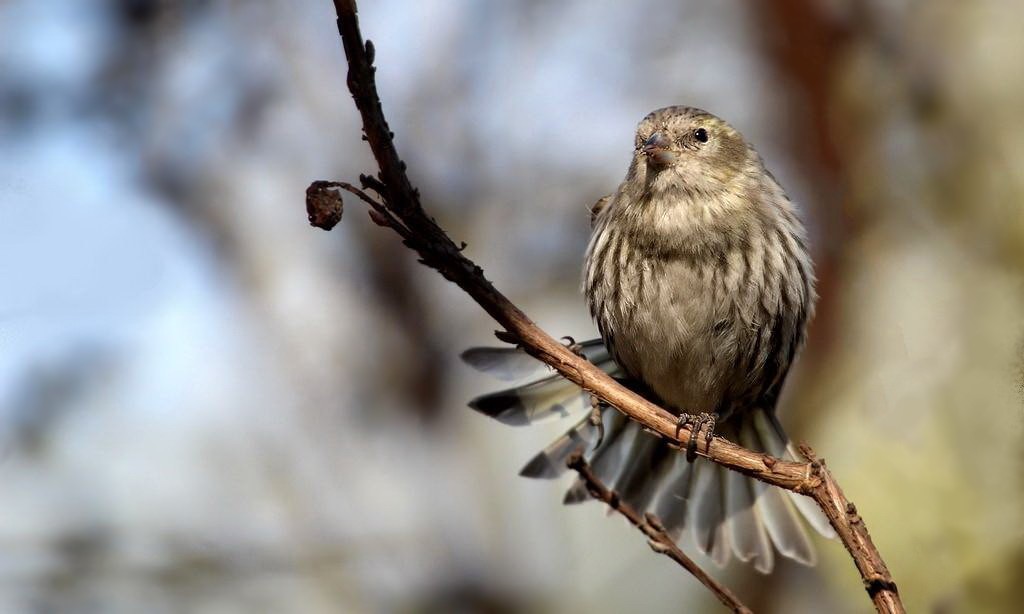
pixel 658 539
pixel 437 251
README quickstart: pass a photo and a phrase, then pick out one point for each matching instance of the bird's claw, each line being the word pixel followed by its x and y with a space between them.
pixel 596 412
pixel 573 346
pixel 702 421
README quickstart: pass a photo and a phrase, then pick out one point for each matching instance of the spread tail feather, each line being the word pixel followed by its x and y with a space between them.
pixel 513 364
pixel 726 513
pixel 543 395
pixel 746 527
pixel 774 441
pixel 553 460
pixel 673 498
pixel 546 398
pixel 777 512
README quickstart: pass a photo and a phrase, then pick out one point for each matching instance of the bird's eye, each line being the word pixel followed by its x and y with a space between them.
pixel 701 135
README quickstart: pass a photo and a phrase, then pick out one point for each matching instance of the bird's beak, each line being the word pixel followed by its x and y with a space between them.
pixel 656 148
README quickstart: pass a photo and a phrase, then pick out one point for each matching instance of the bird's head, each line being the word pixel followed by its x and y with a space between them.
pixel 683 148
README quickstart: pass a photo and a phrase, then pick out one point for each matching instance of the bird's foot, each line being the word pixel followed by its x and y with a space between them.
pixel 697 422
pixel 573 346
pixel 596 418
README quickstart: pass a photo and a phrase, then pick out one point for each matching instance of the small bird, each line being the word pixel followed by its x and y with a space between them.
pixel 698 276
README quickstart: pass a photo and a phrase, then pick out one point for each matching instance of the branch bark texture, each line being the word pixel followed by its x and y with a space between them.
pixel 399 208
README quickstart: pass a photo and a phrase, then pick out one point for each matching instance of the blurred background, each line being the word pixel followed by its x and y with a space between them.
pixel 208 406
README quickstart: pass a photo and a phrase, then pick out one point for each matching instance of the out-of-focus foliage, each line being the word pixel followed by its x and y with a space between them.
pixel 206 405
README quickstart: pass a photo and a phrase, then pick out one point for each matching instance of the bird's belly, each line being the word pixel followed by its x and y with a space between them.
pixel 679 331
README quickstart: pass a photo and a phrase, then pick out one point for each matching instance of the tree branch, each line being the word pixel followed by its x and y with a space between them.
pixel 658 539
pixel 436 250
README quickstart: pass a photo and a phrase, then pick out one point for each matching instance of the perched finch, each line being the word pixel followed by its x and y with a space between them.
pixel 699 279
